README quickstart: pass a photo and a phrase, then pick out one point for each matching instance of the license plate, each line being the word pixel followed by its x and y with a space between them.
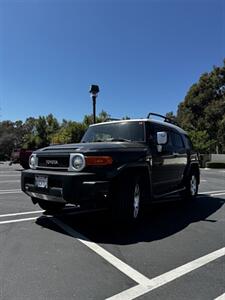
pixel 41 182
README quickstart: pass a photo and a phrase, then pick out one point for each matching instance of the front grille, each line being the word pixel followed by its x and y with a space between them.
pixel 53 162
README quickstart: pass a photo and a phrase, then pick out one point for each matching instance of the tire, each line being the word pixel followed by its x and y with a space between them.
pixel 127 200
pixel 25 166
pixel 191 187
pixel 50 206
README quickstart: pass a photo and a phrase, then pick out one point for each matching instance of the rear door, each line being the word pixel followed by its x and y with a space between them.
pixel 179 153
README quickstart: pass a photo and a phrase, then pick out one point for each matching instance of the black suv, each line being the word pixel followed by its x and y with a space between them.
pixel 118 165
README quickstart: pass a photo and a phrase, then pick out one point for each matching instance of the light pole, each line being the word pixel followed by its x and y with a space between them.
pixel 94 90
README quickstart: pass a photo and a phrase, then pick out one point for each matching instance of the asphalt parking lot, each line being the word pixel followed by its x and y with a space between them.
pixel 177 251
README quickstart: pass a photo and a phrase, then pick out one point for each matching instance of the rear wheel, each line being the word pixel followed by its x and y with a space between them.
pixel 191 187
pixel 51 206
pixel 136 200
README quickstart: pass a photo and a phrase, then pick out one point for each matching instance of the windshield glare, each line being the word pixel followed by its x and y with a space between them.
pixel 124 131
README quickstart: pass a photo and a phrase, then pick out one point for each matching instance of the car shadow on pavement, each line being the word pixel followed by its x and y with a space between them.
pixel 159 221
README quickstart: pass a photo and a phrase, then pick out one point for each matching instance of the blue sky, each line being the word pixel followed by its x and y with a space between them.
pixel 144 54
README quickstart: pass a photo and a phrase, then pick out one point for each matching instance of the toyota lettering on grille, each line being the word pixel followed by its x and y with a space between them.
pixel 52 162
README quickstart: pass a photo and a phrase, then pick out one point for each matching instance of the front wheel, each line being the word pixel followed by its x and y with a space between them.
pixel 127 200
pixel 25 166
pixel 50 206
pixel 191 188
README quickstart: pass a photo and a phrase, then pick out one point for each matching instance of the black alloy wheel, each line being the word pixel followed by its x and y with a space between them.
pixel 191 187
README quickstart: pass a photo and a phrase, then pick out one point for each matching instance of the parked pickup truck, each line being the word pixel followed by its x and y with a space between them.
pixel 119 165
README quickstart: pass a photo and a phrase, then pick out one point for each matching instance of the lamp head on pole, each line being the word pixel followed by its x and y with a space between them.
pixel 94 90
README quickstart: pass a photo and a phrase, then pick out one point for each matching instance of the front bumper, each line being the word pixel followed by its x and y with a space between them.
pixel 65 187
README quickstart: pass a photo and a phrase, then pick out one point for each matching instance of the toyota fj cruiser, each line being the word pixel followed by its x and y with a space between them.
pixel 119 165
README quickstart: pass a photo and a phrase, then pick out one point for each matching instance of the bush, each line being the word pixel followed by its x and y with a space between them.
pixel 216 165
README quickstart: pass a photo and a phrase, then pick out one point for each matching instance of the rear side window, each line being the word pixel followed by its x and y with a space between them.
pixel 188 143
pixel 177 140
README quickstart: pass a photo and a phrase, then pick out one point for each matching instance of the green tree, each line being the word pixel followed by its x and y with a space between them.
pixel 171 116
pixel 88 119
pixel 201 141
pixel 29 130
pixel 203 110
pixel 8 139
pixel 70 132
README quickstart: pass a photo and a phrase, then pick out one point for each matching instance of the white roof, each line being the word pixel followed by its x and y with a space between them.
pixel 144 120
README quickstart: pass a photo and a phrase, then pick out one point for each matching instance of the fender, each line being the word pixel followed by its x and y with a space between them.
pixel 143 168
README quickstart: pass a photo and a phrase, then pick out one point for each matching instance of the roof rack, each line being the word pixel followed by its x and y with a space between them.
pixel 166 119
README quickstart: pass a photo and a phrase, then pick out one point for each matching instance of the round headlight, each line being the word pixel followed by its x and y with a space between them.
pixel 32 161
pixel 78 162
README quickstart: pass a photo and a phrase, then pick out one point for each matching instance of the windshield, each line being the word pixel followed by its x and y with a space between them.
pixel 121 132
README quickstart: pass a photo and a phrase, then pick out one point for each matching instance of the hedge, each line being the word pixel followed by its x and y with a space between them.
pixel 216 165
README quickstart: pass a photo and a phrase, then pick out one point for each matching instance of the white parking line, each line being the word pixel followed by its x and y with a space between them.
pixel 167 277
pixel 222 297
pixel 116 262
pixel 145 284
pixel 9 172
pixel 2 181
pixel 132 293
pixel 213 170
pixel 14 191
pixel 11 175
pixel 211 192
pixel 217 194
pixel 18 220
pixel 22 213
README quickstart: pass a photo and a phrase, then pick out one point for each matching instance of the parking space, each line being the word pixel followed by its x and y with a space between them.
pixel 194 285
pixel 39 265
pixel 175 252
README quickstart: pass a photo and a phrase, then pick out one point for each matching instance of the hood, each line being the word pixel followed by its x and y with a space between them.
pixel 95 147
